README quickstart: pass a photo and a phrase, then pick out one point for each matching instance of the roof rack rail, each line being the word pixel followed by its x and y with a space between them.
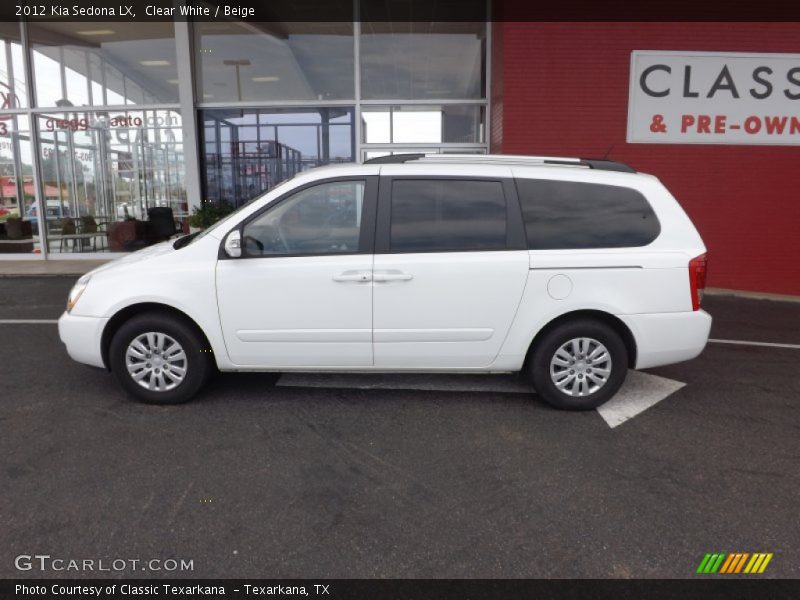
pixel 608 165
pixel 511 159
pixel 394 158
pixel 505 159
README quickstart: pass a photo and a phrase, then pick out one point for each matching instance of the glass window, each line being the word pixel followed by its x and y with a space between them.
pixel 274 61
pixel 19 230
pixel 113 181
pixel 422 60
pixel 323 219
pixel 247 152
pixel 574 215
pixel 13 91
pixel 440 215
pixel 413 124
pixel 104 63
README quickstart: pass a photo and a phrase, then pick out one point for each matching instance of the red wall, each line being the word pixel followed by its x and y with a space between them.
pixel 562 89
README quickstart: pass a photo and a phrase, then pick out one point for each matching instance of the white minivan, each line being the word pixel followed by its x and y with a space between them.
pixel 569 270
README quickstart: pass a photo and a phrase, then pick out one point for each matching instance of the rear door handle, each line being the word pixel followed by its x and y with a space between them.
pixel 357 276
pixel 392 275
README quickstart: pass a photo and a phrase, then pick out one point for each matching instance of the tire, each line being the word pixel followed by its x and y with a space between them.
pixel 136 344
pixel 582 384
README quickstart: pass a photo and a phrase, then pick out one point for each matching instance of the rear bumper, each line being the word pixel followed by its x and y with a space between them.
pixel 81 336
pixel 667 338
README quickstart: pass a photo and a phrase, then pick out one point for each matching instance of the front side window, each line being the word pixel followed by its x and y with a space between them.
pixel 574 215
pixel 323 219
pixel 441 215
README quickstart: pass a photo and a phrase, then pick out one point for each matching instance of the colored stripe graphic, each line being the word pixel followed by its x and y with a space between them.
pixel 740 564
pixel 730 566
pixel 715 565
pixel 703 563
pixel 727 564
pixel 757 558
pixel 734 562
pixel 765 563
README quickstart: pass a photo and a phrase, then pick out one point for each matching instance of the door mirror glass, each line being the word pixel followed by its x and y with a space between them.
pixel 233 244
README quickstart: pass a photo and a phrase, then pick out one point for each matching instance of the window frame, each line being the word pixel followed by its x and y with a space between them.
pixel 366 236
pixel 515 230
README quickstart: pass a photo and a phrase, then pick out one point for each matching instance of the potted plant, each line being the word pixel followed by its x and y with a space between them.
pixel 207 214
pixel 18 236
pixel 17 229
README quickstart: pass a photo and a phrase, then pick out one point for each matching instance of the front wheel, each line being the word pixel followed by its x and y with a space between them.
pixel 160 359
pixel 579 365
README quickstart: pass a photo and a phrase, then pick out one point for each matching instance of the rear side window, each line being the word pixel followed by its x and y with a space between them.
pixel 440 215
pixel 573 215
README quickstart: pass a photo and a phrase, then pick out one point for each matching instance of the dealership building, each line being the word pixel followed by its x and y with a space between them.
pixel 110 129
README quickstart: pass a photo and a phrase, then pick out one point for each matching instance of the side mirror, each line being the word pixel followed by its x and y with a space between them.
pixel 233 244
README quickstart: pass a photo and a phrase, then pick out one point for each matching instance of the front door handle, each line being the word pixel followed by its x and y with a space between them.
pixel 357 276
pixel 392 275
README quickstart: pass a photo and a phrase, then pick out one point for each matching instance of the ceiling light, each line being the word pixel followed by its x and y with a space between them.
pixel 172 81
pixel 265 78
pixel 154 63
pixel 96 32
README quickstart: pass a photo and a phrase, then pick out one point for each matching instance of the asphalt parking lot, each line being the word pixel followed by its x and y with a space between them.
pixel 255 479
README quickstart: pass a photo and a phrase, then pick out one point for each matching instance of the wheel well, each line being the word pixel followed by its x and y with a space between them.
pixel 598 315
pixel 129 312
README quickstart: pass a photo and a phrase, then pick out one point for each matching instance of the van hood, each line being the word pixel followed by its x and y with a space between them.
pixel 144 254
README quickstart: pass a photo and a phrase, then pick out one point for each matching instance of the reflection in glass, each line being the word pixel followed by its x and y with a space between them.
pixel 274 61
pixel 13 91
pixel 247 152
pixel 323 219
pixel 114 180
pixel 422 60
pixel 98 63
pixel 19 233
pixel 447 215
pixel 415 124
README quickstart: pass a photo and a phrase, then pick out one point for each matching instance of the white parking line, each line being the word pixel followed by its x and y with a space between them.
pixel 765 344
pixel 640 391
pixel 28 321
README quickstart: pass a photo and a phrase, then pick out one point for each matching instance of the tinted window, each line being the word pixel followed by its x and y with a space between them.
pixel 441 215
pixel 323 219
pixel 567 214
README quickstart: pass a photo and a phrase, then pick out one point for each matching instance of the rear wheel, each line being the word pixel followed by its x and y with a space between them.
pixel 579 365
pixel 160 359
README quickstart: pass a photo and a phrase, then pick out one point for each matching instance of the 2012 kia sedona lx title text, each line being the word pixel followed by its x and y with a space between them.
pixel 570 270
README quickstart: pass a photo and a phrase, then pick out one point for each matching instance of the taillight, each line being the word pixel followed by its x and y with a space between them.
pixel 697 279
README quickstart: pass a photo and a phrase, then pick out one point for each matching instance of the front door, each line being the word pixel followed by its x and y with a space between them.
pixel 301 294
pixel 449 272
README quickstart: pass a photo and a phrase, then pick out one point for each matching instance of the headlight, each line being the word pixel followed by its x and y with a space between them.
pixel 76 292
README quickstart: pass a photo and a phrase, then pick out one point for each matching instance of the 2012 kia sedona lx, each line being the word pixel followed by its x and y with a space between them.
pixel 570 270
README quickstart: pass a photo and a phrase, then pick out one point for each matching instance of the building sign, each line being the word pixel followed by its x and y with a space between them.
pixel 714 98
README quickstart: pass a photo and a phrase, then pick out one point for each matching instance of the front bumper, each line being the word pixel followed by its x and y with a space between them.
pixel 82 336
pixel 666 338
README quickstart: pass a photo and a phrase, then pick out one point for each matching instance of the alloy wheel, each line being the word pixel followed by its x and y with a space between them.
pixel 580 366
pixel 156 361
